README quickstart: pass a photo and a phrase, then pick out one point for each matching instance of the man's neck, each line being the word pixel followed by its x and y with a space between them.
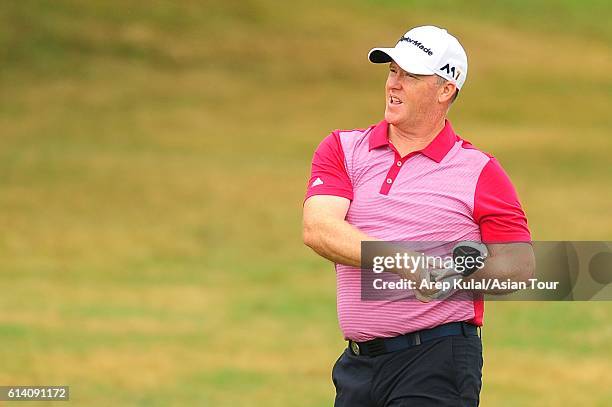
pixel 414 138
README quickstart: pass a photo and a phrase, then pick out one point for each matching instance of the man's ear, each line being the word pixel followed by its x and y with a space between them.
pixel 447 92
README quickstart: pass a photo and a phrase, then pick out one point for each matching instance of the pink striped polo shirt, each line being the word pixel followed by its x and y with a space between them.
pixel 449 191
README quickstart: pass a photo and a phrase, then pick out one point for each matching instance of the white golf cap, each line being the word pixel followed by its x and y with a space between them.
pixel 427 50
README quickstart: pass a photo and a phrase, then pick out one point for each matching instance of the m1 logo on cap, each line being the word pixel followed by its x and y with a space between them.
pixel 452 71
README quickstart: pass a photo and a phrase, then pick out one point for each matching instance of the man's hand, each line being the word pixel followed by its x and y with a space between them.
pixel 468 253
pixel 425 279
pixel 433 275
pixel 425 292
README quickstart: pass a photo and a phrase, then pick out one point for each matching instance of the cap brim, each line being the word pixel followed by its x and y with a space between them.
pixel 406 61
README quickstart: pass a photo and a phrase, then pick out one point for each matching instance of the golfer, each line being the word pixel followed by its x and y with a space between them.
pixel 412 178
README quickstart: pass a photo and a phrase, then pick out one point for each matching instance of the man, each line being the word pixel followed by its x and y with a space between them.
pixel 411 178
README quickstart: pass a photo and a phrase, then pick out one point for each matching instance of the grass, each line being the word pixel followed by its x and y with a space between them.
pixel 153 162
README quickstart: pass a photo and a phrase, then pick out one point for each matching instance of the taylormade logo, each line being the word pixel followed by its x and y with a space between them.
pixel 418 44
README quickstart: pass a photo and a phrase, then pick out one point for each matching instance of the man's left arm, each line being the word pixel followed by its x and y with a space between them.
pixel 506 261
pixel 503 228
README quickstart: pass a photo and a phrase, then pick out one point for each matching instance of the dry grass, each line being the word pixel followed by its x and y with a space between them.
pixel 152 168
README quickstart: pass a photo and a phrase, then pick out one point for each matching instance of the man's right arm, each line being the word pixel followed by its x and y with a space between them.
pixel 328 198
pixel 326 231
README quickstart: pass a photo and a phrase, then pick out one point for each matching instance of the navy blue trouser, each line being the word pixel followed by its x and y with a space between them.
pixel 442 372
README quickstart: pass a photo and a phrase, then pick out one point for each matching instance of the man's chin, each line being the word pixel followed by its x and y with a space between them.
pixel 392 118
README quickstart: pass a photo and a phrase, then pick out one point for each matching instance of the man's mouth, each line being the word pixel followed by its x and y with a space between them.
pixel 394 100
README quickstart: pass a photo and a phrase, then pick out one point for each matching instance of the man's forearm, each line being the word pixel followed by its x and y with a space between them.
pixel 336 240
pixel 340 242
pixel 515 264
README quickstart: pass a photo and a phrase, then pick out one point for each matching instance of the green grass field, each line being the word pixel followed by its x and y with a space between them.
pixel 153 161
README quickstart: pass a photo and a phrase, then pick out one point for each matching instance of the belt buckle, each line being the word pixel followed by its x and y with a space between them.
pixel 355 348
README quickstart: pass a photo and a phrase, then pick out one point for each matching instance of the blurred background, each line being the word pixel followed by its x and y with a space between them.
pixel 153 161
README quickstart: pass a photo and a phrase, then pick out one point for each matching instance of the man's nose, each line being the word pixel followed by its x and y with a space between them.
pixel 393 82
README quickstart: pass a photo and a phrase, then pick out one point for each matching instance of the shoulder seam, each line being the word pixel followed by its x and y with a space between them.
pixel 470 146
pixel 359 131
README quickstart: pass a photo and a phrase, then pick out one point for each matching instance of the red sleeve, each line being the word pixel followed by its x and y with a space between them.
pixel 497 209
pixel 328 175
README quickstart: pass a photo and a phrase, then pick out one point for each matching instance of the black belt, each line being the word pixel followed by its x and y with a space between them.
pixel 380 346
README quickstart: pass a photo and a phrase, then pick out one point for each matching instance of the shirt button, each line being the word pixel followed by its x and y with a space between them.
pixel 389 180
pixel 399 163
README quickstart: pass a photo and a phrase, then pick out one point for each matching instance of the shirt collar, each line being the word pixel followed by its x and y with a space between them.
pixel 436 149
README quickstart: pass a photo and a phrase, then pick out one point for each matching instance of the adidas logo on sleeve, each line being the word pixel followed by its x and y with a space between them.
pixel 316 182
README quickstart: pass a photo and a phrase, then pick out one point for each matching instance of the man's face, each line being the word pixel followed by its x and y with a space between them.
pixel 411 98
